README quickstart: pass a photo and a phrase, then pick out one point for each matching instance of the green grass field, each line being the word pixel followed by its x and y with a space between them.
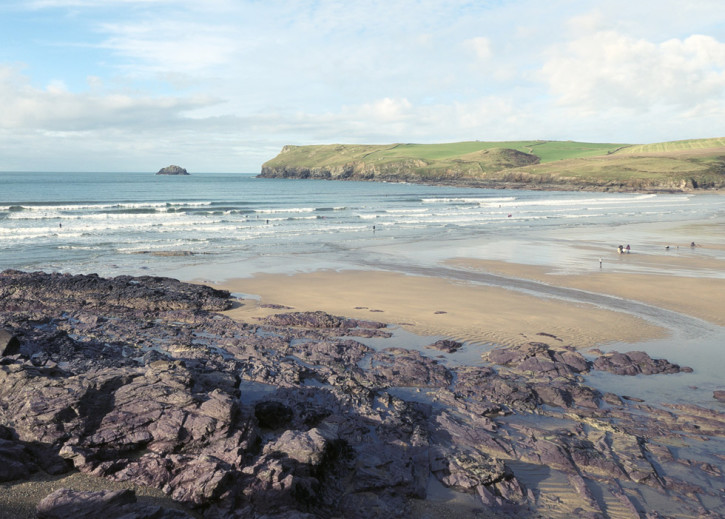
pixel 668 165
pixel 330 154
pixel 666 147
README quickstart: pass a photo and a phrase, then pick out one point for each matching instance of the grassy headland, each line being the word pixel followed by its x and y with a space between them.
pixel 667 166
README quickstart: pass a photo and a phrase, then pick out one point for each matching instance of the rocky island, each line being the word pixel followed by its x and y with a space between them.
pixel 679 166
pixel 147 383
pixel 172 170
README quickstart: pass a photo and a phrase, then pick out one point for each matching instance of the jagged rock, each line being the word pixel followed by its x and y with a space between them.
pixel 635 363
pixel 540 359
pixel 398 367
pixel 719 395
pixel 63 291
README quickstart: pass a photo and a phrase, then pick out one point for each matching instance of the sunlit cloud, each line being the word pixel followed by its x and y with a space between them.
pixel 608 69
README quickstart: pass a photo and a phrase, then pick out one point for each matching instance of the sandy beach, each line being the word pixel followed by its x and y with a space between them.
pixel 484 314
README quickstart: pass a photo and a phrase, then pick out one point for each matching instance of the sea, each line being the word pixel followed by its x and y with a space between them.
pixel 216 226
pixel 213 227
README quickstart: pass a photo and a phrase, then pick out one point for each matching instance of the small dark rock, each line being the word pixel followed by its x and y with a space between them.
pixel 447 345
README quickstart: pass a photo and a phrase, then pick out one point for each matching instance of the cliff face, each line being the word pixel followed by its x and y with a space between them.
pixel 503 167
pixel 473 165
pixel 351 171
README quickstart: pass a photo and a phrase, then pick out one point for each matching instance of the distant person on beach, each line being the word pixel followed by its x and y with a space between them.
pixel 620 249
pixel 627 248
pixel 693 245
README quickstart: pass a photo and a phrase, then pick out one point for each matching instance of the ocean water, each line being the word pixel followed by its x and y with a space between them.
pixel 219 226
pixel 226 225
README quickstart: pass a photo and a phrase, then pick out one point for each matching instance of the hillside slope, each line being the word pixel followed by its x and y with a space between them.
pixel 676 166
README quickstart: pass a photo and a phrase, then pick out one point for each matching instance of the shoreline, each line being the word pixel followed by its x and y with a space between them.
pixel 504 185
pixel 432 306
pixel 478 313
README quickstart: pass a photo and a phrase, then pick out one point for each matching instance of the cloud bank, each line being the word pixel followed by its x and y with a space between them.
pixel 126 85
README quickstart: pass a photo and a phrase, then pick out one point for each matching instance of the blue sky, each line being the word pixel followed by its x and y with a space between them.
pixel 222 85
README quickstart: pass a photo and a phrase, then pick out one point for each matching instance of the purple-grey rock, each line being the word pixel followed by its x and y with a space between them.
pixel 635 363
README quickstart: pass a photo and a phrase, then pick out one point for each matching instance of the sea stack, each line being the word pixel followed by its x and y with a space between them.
pixel 172 170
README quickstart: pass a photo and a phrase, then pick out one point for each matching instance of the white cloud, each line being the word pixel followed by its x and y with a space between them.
pixel 481 47
pixel 386 110
pixel 171 46
pixel 55 108
pixel 606 70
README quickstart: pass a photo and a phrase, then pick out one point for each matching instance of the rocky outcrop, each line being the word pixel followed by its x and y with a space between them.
pixel 140 380
pixel 469 166
pixel 635 363
pixel 145 293
pixel 172 170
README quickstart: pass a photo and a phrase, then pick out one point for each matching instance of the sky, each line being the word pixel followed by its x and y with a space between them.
pixel 222 85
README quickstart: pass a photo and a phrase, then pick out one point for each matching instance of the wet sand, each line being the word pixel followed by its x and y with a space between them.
pixel 701 297
pixel 476 312
pixel 442 307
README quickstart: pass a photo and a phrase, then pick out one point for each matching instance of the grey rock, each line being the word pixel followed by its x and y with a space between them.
pixel 446 345
pixel 635 363
pixel 172 170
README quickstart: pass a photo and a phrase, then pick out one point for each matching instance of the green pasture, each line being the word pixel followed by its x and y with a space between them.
pixel 673 146
pixel 335 154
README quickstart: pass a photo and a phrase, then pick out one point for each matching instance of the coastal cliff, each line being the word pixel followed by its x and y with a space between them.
pixel 401 169
pixel 677 167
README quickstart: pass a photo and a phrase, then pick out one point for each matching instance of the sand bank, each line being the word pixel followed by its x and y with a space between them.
pixel 701 297
pixel 437 306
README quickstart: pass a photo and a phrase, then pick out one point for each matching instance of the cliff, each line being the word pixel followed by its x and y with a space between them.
pixel 678 166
